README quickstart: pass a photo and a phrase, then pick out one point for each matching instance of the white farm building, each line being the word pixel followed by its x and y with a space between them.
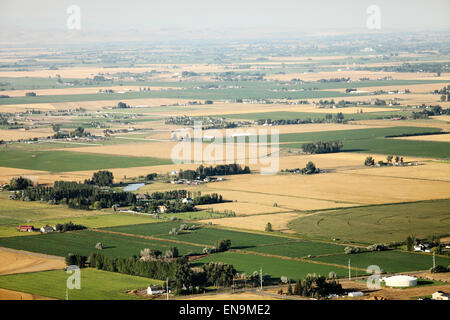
pixel 152 290
pixel 400 281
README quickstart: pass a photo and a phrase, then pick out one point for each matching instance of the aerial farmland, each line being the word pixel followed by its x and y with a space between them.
pixel 226 169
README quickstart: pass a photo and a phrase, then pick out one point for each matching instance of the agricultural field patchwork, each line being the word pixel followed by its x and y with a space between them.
pixel 380 223
pixel 114 285
pixel 100 137
pixel 276 268
pixel 83 242
pixel 388 261
pixel 60 161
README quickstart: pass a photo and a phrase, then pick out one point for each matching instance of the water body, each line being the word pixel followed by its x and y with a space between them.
pixel 133 186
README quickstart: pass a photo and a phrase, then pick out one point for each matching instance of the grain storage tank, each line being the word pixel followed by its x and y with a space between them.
pixel 400 281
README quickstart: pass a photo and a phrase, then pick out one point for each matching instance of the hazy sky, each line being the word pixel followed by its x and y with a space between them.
pixel 151 14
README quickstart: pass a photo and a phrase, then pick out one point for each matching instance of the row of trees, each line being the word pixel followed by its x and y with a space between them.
pixel 19 183
pixel 101 178
pixel 69 226
pixel 92 194
pixel 317 286
pixel 220 170
pixel 77 133
pixel 370 161
pixel 177 270
pixel 322 147
pixel 76 195
pixel 310 168
pixel 329 118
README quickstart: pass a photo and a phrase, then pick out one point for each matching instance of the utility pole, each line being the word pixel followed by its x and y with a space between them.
pixel 260 277
pixel 349 271
pixel 167 288
pixel 434 260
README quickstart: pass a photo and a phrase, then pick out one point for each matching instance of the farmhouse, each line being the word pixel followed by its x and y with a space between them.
pixel 152 290
pixel 161 209
pixel 46 229
pixel 26 228
pixel 187 200
pixel 439 295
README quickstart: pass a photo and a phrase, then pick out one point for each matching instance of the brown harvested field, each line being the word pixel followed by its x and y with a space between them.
pixel 15 261
pixel 16 295
pixel 85 90
pixel 435 170
pixel 271 195
pixel 232 296
pixel 348 110
pixel 16 134
pixel 340 187
pixel 392 293
pixel 293 128
pixel 89 72
pixel 443 277
pixel 91 105
pixel 407 123
pixel 146 149
pixel 242 208
pixel 279 221
pixel 445 240
pixel 7 173
pixel 164 150
pixel 436 137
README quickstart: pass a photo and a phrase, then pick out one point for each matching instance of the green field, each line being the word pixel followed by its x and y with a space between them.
pixel 378 223
pixel 95 284
pixel 357 134
pixel 242 93
pixel 274 267
pixel 14 213
pixel 158 229
pixel 299 249
pixel 427 149
pixel 388 261
pixel 63 161
pixel 83 242
pixel 374 141
pixel 204 235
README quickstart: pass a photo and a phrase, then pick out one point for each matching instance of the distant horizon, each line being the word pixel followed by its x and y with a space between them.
pixel 199 19
pixel 48 37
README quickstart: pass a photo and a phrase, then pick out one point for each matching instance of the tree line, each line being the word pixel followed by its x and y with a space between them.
pixel 220 170
pixel 322 147
pixel 329 118
pixel 177 270
pixel 92 194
